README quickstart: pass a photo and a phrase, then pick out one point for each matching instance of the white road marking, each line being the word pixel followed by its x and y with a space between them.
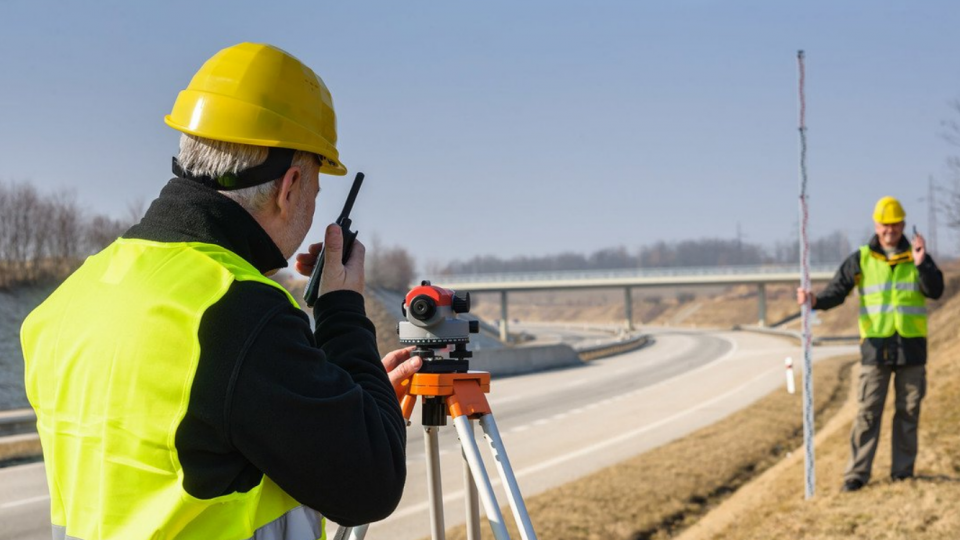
pixel 586 451
pixel 633 433
pixel 24 502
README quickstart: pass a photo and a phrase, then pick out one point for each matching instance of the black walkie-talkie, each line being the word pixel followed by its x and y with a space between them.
pixel 313 286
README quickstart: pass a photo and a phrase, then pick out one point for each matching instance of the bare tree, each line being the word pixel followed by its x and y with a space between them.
pixel 101 231
pixel 67 231
pixel 391 268
pixel 950 200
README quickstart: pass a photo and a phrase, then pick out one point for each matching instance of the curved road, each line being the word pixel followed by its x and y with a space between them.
pixel 557 426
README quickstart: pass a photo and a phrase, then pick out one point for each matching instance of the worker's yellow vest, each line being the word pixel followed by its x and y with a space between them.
pixel 890 298
pixel 110 361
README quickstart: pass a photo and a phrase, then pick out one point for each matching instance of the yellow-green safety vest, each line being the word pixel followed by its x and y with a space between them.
pixel 110 361
pixel 890 298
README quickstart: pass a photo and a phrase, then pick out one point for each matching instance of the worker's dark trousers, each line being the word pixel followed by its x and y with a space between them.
pixel 910 385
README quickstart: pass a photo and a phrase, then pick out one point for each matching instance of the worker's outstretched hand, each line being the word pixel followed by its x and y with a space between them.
pixel 336 276
pixel 919 249
pixel 401 366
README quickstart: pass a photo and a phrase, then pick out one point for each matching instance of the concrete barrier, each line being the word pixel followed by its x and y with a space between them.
pixel 519 360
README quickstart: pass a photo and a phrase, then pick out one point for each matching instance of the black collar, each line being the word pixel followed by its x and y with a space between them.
pixel 187 211
pixel 903 252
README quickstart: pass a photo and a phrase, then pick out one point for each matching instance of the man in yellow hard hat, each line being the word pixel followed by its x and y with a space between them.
pixel 182 394
pixel 893 277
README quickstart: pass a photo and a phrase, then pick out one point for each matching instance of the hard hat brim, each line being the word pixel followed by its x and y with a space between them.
pixel 221 117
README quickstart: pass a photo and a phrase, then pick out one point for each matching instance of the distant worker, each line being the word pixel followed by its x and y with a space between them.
pixel 893 278
pixel 182 394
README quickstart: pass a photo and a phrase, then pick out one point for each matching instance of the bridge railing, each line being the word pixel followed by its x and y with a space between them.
pixel 627 273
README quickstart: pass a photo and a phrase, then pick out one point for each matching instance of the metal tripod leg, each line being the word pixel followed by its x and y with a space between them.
pixel 472 500
pixel 431 440
pixel 472 453
pixel 351 533
pixel 492 434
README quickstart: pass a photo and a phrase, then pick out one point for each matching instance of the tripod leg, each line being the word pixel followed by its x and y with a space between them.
pixel 492 434
pixel 351 533
pixel 358 533
pixel 472 500
pixel 472 454
pixel 434 488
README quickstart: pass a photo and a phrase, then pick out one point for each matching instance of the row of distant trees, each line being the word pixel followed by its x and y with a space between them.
pixel 45 235
pixel 688 253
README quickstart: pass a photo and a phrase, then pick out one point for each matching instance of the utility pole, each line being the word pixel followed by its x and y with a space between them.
pixel 932 216
pixel 739 245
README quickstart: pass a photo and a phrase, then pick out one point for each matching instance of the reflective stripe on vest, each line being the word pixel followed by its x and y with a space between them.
pixel 301 522
pixel 109 395
pixel 890 298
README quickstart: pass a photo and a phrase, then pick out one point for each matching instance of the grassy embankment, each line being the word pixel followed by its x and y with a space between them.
pixel 661 491
pixel 921 508
pixel 689 481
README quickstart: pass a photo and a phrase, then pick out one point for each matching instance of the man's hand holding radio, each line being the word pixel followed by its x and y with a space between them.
pixel 336 276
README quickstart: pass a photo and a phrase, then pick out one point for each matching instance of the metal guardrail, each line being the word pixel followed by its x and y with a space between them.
pixel 795 334
pixel 17 421
pixel 609 349
pixel 626 273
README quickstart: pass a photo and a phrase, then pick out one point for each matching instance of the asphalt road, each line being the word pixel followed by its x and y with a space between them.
pixel 557 426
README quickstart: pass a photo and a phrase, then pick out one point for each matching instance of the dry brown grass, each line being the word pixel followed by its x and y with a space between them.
pixel 922 508
pixel 655 494
pixel 14 274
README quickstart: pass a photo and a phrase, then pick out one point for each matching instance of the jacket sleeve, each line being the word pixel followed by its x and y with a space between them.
pixel 323 423
pixel 931 278
pixel 842 283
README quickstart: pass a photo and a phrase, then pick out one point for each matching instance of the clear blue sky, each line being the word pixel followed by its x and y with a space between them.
pixel 514 128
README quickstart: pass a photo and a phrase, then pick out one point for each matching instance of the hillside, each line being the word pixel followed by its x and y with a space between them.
pixel 773 507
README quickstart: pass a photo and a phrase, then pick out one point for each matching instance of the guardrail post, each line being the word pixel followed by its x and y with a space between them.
pixel 628 307
pixel 504 336
pixel 762 304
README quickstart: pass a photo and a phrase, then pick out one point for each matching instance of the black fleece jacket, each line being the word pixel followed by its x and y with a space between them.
pixel 313 411
pixel 896 349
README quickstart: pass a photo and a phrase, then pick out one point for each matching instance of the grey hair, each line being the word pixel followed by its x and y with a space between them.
pixel 207 157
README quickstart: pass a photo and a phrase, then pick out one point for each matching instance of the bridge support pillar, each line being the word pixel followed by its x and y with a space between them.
pixel 504 335
pixel 762 304
pixel 628 308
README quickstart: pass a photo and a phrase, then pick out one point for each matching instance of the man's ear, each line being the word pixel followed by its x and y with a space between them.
pixel 289 192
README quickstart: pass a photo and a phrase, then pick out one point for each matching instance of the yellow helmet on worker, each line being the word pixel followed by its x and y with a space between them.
pixel 263 96
pixel 888 210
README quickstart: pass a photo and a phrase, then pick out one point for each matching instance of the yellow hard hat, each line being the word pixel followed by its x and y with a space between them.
pixel 261 95
pixel 888 210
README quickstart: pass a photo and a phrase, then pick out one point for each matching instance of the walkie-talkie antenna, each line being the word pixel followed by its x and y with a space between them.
pixel 313 286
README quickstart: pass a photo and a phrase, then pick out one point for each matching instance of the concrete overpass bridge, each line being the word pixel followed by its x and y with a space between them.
pixel 629 279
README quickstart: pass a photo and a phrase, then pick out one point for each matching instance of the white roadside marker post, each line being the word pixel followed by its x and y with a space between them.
pixel 791 388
